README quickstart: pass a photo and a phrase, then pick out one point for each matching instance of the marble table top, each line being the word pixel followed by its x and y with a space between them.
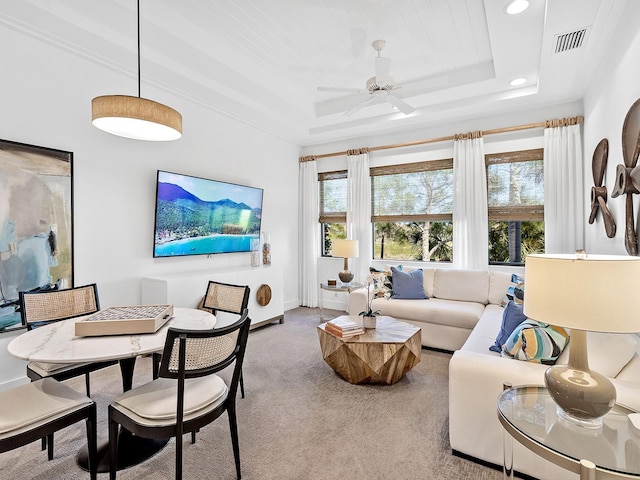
pixel 57 343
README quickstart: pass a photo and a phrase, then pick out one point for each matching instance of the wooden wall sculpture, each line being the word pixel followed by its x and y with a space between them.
pixel 599 190
pixel 628 175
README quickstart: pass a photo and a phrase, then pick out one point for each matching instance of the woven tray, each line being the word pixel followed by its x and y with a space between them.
pixel 124 320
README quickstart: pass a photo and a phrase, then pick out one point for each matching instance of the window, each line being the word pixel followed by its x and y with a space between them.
pixel 412 211
pixel 333 207
pixel 515 184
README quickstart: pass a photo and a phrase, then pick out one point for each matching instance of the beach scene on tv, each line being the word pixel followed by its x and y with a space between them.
pixel 197 216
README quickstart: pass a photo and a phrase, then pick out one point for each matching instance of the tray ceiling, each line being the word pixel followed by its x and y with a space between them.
pixel 262 62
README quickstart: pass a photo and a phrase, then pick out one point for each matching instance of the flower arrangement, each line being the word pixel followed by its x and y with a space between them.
pixel 377 287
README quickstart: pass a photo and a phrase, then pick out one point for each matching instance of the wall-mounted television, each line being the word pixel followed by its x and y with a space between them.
pixel 199 216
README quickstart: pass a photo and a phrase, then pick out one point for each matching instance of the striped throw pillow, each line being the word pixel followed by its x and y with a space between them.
pixel 535 341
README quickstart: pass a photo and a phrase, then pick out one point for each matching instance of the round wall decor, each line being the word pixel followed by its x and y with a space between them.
pixel 263 295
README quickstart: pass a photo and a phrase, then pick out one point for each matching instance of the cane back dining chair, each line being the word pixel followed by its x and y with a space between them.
pixel 229 298
pixel 188 394
pixel 44 307
pixel 38 409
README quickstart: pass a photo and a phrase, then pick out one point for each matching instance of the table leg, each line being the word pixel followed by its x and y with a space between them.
pixel 587 470
pixel 127 365
pixel 507 448
pixel 132 450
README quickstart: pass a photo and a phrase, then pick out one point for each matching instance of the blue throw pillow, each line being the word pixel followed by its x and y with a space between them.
pixel 407 285
pixel 511 318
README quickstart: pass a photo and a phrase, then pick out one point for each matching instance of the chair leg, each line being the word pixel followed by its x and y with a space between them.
pixel 233 426
pixel 44 443
pixel 87 384
pixel 193 437
pixel 50 446
pixel 241 385
pixel 113 447
pixel 179 457
pixel 156 359
pixel 92 442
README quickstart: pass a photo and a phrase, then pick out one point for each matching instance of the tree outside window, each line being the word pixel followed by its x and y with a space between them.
pixel 515 184
pixel 411 211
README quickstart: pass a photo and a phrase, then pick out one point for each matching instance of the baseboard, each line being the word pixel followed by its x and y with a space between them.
pixel 14 383
pixel 490 464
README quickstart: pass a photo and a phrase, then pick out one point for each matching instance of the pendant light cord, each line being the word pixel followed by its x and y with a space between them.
pixel 138 48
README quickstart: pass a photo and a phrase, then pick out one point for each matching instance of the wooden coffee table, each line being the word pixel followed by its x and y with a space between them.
pixel 382 355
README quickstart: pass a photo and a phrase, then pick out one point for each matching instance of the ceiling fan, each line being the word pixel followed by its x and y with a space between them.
pixel 378 88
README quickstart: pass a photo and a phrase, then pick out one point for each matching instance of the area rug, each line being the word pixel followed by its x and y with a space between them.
pixel 299 421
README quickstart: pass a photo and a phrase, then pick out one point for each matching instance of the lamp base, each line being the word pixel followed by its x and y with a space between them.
pixel 583 396
pixel 345 276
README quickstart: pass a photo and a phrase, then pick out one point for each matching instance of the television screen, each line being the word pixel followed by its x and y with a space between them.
pixel 197 216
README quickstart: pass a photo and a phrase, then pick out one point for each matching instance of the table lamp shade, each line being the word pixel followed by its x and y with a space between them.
pixel 597 293
pixel 344 248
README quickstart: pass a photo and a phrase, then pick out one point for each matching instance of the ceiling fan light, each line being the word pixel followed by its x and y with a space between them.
pixel 135 117
pixel 515 7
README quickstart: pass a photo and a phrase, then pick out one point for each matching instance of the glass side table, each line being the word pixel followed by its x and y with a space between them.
pixel 339 287
pixel 528 414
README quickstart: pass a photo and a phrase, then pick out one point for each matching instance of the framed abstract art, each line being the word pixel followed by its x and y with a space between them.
pixel 36 224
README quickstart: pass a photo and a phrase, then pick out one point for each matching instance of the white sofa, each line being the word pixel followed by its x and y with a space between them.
pixel 463 314
pixel 457 300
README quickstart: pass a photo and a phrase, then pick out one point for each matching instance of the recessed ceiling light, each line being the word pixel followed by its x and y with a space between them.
pixel 516 6
pixel 517 81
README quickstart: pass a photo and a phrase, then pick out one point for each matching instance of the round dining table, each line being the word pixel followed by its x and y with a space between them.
pixel 57 343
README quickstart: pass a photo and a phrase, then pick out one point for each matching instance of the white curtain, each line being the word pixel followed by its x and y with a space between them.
pixel 309 233
pixel 359 212
pixel 563 189
pixel 470 216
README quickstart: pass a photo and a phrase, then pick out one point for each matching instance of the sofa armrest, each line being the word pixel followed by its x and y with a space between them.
pixel 357 301
pixel 475 381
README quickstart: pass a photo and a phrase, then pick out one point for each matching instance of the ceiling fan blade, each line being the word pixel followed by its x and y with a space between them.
pixel 358 106
pixel 382 70
pixel 340 89
pixel 401 105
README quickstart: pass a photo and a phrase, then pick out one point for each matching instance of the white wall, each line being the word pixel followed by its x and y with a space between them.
pixel 606 104
pixel 46 101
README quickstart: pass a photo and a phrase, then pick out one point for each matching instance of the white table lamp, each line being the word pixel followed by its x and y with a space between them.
pixel 346 249
pixel 597 293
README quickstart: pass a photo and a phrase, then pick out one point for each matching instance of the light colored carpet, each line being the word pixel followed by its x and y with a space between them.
pixel 299 420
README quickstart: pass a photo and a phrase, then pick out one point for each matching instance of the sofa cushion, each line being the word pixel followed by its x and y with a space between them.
pixel 462 285
pixel 434 311
pixel 608 353
pixel 537 342
pixel 515 291
pixel 407 285
pixel 498 284
pixel 511 318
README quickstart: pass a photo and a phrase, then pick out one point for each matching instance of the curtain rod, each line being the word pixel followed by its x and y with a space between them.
pixel 562 122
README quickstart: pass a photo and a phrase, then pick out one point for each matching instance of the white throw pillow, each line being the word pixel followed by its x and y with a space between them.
pixel 608 353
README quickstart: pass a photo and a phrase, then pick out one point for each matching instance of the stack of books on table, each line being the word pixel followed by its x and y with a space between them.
pixel 344 327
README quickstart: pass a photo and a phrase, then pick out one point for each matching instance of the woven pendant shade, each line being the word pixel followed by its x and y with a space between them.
pixel 136 117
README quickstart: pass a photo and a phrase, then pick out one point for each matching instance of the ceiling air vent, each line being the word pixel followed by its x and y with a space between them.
pixel 570 41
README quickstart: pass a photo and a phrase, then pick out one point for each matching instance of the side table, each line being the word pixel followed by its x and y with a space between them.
pixel 528 414
pixel 339 287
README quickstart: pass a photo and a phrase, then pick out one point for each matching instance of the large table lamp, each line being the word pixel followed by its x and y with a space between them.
pixel 583 293
pixel 346 249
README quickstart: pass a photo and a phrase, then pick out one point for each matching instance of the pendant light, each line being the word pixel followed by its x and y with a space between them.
pixel 136 117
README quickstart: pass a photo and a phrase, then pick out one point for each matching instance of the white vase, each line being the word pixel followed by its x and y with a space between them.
pixel 368 321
